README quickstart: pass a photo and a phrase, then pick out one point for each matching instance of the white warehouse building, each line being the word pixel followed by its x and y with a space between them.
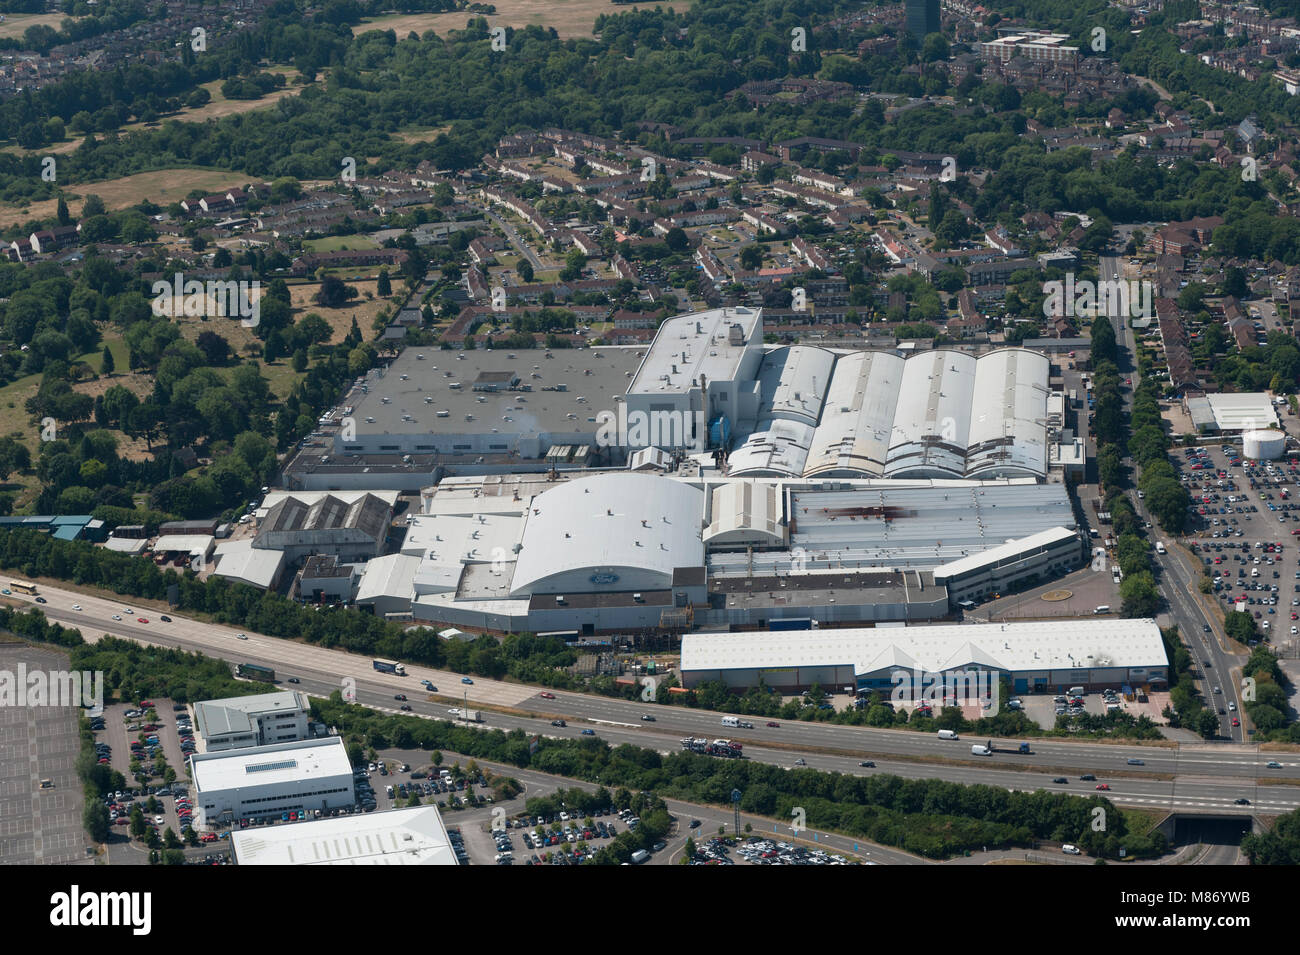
pixel 707 381
pixel 1041 656
pixel 301 776
pixel 938 414
pixel 258 720
pixel 413 836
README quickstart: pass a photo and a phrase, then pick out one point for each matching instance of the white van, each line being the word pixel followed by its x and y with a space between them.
pixel 1070 850
pixel 948 734
pixel 979 749
pixel 1160 547
pixel 1075 691
pixel 730 721
pixel 1103 608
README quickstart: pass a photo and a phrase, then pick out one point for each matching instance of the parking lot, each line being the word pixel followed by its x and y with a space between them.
pixel 1246 521
pixel 1245 530
pixel 558 839
pixel 142 732
pixel 39 824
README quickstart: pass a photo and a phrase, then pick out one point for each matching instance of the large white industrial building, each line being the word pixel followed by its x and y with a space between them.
pixel 632 553
pixel 301 776
pixel 938 414
pixel 1041 656
pixel 707 381
pixel 865 471
pixel 414 836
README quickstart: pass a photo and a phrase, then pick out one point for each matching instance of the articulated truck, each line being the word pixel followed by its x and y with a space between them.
pixel 988 749
pixel 389 666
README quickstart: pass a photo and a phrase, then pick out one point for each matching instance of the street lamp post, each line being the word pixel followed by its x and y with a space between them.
pixel 735 803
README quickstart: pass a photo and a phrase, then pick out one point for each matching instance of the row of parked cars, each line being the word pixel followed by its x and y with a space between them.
pixel 458 846
pixel 366 800
pixel 570 833
pixel 759 851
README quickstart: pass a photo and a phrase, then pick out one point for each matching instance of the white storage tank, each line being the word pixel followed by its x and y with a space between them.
pixel 1263 445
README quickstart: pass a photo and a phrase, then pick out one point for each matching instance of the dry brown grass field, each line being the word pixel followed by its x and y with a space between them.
pixel 161 186
pixel 16 24
pixel 570 18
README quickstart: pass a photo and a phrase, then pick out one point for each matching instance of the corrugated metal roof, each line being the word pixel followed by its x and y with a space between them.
pixel 793 382
pixel 745 509
pixel 776 448
pixel 1011 647
pixel 907 527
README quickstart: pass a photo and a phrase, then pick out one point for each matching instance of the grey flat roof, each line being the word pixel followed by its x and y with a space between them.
pixel 705 338
pixel 234 714
pixel 819 590
pixel 593 374
pixel 915 527
pixel 651 598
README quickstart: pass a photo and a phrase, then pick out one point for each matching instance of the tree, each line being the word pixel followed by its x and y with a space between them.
pixel 106 364
pixel 1139 596
pixel 62 212
pixel 751 257
pixel 383 286
pixel 215 348
pixel 525 270
pixel 1103 340
pixel 1207 724
pixel 95 820
pixel 14 456
pixel 334 293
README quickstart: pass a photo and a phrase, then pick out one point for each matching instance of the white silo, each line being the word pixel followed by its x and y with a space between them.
pixel 1263 445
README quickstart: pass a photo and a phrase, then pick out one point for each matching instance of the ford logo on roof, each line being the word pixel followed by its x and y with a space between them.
pixel 604 578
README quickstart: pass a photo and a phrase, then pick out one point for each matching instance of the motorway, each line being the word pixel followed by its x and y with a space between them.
pixel 1205 777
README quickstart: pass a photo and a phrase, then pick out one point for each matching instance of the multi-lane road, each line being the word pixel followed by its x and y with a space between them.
pixel 1189 777
pixel 1177 581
